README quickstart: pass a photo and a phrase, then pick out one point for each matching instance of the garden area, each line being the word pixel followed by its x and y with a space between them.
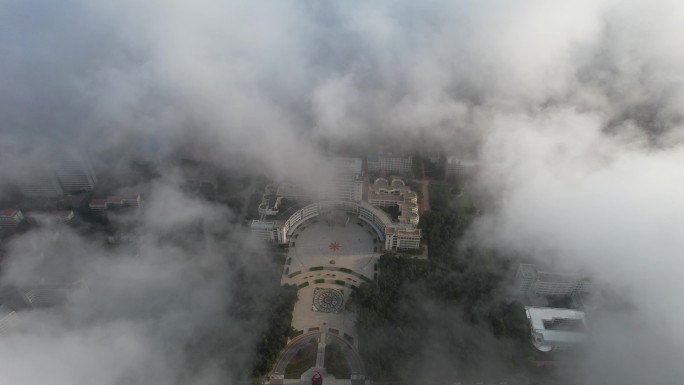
pixel 302 361
pixel 336 362
pixel 449 197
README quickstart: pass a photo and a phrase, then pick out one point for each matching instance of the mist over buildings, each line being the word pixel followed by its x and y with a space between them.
pixel 574 110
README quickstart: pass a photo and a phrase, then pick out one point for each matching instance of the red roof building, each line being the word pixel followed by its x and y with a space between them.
pixel 10 218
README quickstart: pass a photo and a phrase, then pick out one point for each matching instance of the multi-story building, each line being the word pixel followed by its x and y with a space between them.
pixel 554 329
pixel 98 205
pixel 384 193
pixel 458 167
pixel 529 279
pixel 10 218
pixel 389 163
pixel 348 165
pixel 268 231
pixel 62 216
pixel 113 202
pixel 42 183
pixel 8 319
pixel 64 175
pixel 347 179
pixel 348 187
pixel 75 175
pixel 278 227
pixel 123 201
pixel 41 296
pixel 398 238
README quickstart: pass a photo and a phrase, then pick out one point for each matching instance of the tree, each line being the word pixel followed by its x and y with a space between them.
pixel 275 337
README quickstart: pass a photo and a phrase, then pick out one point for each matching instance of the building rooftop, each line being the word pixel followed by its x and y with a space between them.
pixel 62 213
pixel 9 212
pixel 394 192
pixel 552 326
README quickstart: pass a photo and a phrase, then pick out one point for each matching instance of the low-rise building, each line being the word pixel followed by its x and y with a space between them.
pixel 62 216
pixel 555 329
pixel 10 219
pixel 128 201
pixel 98 205
pixel 123 201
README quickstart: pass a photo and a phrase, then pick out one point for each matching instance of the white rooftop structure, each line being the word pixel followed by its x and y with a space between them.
pixel 556 329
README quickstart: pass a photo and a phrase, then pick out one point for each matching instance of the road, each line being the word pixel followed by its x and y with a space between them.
pixel 426 191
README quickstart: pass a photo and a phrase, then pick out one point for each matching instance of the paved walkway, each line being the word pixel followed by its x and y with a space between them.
pixel 341 254
pixel 320 355
pixel 358 371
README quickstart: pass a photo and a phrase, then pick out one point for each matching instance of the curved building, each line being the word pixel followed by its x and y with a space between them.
pixel 396 235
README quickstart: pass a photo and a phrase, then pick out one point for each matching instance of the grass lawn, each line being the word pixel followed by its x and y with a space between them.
pixel 443 197
pixel 302 361
pixel 463 201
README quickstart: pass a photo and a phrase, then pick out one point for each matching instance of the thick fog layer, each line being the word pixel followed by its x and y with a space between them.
pixel 574 109
pixel 184 303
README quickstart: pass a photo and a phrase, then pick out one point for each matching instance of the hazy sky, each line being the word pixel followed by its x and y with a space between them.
pixel 574 108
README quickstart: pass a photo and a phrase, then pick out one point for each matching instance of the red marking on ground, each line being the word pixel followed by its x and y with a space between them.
pixel 334 246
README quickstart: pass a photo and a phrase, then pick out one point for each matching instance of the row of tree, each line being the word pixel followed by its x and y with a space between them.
pixel 278 332
pixel 447 316
pixel 418 305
